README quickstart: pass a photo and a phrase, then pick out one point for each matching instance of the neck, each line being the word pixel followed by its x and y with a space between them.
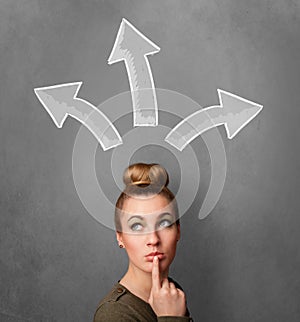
pixel 139 282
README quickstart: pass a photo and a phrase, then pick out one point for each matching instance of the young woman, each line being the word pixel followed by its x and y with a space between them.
pixel 148 228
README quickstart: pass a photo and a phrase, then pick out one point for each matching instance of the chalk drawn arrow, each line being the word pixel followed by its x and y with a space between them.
pixel 133 47
pixel 234 112
pixel 61 101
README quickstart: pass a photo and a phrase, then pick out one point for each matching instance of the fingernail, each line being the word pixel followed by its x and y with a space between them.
pixel 155 258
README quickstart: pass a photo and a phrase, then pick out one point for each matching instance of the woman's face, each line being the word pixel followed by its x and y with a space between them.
pixel 149 228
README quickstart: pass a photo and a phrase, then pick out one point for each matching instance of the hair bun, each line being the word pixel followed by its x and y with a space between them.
pixel 143 174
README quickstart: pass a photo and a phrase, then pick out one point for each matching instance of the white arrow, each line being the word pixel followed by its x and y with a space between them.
pixel 133 47
pixel 61 101
pixel 234 112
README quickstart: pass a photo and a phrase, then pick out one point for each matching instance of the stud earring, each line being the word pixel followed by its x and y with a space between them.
pixel 121 246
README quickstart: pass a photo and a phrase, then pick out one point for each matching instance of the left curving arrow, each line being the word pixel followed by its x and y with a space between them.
pixel 61 101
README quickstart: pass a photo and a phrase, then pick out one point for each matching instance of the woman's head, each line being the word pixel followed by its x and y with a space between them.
pixel 146 217
pixel 144 181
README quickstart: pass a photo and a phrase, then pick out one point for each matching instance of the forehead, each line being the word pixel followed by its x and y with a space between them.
pixel 151 205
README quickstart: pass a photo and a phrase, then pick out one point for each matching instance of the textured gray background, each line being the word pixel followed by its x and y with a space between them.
pixel 242 262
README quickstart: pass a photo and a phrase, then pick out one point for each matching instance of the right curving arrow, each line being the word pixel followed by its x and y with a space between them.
pixel 234 112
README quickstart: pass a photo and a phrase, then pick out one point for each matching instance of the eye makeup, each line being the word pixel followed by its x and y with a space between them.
pixel 136 223
pixel 139 223
pixel 165 220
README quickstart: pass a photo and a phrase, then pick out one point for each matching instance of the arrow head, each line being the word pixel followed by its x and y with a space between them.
pixel 130 40
pixel 55 100
pixel 238 111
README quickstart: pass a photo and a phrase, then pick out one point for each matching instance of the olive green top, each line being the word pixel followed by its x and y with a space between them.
pixel 120 305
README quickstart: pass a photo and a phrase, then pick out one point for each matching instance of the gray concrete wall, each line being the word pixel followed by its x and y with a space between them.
pixel 242 262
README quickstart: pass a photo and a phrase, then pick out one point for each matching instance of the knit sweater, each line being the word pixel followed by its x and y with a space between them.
pixel 120 305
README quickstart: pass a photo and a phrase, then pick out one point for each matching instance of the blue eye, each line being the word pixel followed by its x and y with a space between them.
pixel 136 227
pixel 165 223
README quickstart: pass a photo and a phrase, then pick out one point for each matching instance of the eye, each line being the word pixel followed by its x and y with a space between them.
pixel 136 227
pixel 165 223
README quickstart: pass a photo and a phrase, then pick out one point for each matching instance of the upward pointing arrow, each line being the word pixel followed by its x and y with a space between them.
pixel 133 47
pixel 61 101
pixel 234 112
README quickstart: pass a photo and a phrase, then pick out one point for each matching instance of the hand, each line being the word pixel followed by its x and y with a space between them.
pixel 165 298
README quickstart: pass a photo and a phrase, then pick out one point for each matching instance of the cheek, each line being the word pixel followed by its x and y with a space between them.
pixel 133 244
pixel 170 241
pixel 173 246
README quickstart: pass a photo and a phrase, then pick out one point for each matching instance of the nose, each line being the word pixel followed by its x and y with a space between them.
pixel 153 238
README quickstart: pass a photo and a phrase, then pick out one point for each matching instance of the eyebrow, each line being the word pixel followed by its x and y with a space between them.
pixel 135 216
pixel 164 214
pixel 143 218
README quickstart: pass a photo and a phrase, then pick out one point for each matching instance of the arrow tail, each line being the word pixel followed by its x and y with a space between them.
pixel 193 126
pixel 101 127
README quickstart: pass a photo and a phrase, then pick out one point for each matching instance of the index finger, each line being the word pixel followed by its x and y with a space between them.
pixel 155 274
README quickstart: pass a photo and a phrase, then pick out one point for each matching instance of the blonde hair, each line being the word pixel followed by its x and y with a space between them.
pixel 143 180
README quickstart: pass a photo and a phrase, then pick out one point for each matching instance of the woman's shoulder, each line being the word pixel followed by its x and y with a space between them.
pixel 121 294
pixel 114 294
pixel 110 308
pixel 121 305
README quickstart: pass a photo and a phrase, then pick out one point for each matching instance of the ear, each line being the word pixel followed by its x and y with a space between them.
pixel 119 236
pixel 178 231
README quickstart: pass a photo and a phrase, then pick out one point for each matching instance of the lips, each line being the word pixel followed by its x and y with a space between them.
pixel 150 256
pixel 154 254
